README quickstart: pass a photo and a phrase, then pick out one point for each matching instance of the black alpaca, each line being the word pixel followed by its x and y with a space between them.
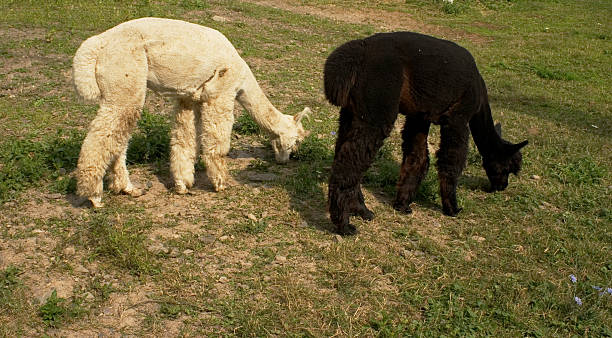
pixel 429 81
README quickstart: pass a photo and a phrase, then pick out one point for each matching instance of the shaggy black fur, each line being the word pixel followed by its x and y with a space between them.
pixel 429 81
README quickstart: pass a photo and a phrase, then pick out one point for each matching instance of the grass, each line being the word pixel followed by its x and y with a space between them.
pixel 258 259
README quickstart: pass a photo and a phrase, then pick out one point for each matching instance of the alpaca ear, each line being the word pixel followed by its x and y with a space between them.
pixel 304 113
pixel 516 147
pixel 498 129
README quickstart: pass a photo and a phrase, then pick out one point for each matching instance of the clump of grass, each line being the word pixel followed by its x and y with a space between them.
pixel 553 74
pixel 454 7
pixel 9 280
pixel 245 125
pixel 313 149
pixel 122 242
pixel 194 4
pixel 251 227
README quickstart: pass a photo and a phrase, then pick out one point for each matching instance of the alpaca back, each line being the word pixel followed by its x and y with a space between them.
pixel 84 69
pixel 342 69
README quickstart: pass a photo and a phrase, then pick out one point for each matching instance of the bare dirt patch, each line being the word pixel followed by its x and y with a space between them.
pixel 385 20
pixel 11 33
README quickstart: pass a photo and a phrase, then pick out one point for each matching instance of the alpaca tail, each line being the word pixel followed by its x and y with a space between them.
pixel 84 69
pixel 341 72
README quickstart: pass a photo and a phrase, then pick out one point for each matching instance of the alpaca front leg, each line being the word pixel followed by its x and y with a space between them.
pixel 414 164
pixel 217 122
pixel 183 146
pixel 451 161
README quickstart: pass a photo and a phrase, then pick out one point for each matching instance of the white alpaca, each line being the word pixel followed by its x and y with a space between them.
pixel 195 65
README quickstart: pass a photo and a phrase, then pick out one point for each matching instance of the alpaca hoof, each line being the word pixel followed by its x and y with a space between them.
pixel 135 192
pixel 219 186
pixel 96 202
pixel 452 212
pixel 365 214
pixel 181 189
pixel 347 230
pixel 402 207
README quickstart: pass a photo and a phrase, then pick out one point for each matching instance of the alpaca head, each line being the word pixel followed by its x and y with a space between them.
pixel 293 135
pixel 500 167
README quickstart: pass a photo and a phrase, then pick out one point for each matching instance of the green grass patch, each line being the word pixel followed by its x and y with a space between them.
pixel 553 74
pixel 151 142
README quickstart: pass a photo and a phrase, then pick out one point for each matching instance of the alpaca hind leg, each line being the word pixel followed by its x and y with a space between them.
pixel 122 78
pixel 217 122
pixel 104 144
pixel 354 154
pixel 414 164
pixel 451 161
pixel 358 207
pixel 120 179
pixel 183 145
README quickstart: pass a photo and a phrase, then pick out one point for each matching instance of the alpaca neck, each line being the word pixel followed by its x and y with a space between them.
pixel 253 99
pixel 487 140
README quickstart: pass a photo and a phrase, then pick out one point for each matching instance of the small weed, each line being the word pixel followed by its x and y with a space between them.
pixel 101 290
pixel 259 165
pixel 245 125
pixel 385 326
pixel 57 310
pixel 173 310
pixel 64 185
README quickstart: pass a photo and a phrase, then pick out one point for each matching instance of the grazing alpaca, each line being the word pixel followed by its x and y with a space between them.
pixel 193 64
pixel 429 81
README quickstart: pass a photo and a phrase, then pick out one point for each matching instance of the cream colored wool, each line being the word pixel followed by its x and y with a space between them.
pixel 195 65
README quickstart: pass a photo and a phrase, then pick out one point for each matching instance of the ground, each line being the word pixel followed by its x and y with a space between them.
pixel 261 258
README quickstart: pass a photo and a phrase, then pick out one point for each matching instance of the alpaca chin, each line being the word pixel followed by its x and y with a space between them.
pixel 281 154
pixel 282 157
